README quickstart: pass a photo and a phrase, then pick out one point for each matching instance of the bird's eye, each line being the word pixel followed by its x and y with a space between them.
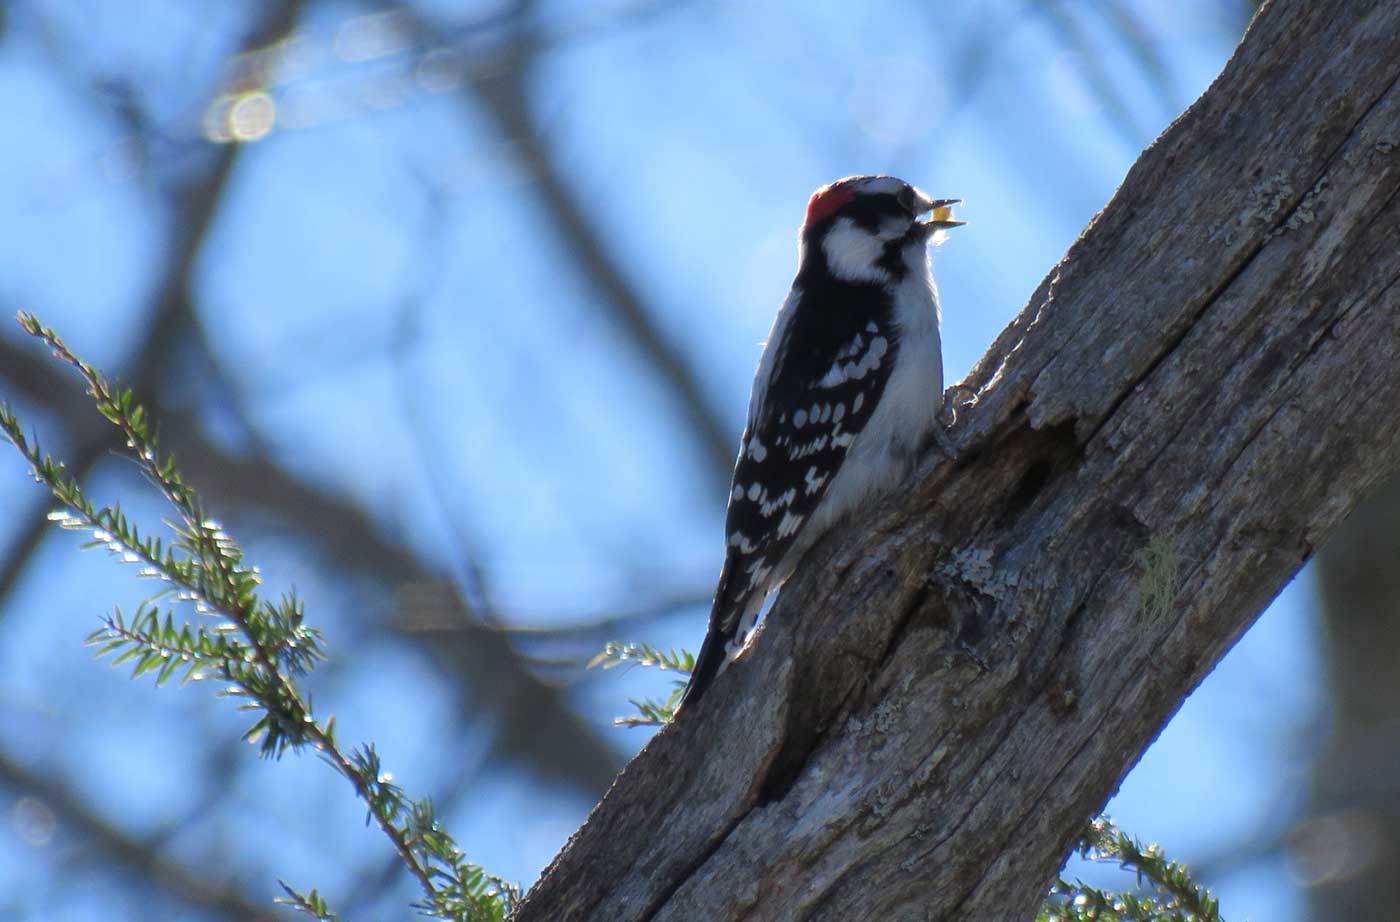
pixel 905 197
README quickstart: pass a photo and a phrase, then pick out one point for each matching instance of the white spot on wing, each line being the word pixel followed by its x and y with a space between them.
pixel 834 376
pixel 781 501
pixel 838 413
pixel 840 372
pixel 798 452
pixel 737 494
pixel 789 524
pixel 856 404
pixel 757 451
pixel 757 570
pixel 799 419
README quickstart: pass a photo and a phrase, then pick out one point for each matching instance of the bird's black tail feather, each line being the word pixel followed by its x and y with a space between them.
pixel 714 652
pixel 707 664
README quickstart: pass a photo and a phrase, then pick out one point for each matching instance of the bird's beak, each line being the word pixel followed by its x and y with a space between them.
pixel 940 212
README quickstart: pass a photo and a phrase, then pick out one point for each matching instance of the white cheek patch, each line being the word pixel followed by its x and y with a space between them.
pixel 853 253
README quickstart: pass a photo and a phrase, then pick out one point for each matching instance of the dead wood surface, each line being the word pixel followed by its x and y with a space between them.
pixel 1193 398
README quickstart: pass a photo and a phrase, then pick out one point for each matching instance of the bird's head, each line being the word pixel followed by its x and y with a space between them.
pixel 869 228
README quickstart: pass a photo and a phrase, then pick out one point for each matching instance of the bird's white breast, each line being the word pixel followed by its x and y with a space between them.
pixel 887 447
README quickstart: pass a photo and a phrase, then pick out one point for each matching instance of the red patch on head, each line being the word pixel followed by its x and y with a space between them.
pixel 826 200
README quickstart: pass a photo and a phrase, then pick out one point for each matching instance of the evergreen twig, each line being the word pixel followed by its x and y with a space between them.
pixel 650 712
pixel 257 651
pixel 1175 896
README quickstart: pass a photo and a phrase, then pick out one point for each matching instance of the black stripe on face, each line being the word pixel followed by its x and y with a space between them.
pixel 871 211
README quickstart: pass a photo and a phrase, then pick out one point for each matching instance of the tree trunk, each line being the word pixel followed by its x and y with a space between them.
pixel 1348 849
pixel 953 684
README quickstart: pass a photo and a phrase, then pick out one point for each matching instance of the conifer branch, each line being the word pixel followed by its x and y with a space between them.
pixel 257 652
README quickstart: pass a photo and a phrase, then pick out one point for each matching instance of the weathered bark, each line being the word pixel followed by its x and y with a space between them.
pixel 1192 400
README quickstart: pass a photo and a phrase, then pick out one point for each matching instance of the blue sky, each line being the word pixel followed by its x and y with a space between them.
pixel 398 320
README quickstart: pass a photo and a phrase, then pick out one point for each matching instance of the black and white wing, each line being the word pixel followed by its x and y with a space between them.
pixel 821 378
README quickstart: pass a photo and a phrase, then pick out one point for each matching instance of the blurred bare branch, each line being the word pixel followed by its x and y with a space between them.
pixel 1139 40
pixel 509 688
pixel 571 643
pixel 484 661
pixel 144 859
pixel 503 93
pixel 1087 61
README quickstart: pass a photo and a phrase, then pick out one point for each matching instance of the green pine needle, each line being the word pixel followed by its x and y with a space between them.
pixel 254 647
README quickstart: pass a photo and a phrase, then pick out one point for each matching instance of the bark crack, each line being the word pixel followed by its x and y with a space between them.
pixel 1146 301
